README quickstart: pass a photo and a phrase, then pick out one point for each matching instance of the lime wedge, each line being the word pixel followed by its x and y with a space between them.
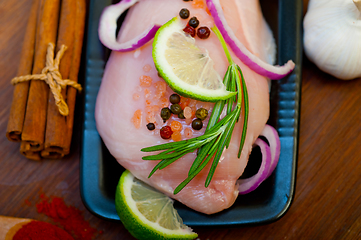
pixel 146 213
pixel 186 68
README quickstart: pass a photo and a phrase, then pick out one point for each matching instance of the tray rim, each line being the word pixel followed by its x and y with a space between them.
pixel 93 198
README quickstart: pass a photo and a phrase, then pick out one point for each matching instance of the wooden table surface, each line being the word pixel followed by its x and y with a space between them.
pixel 327 201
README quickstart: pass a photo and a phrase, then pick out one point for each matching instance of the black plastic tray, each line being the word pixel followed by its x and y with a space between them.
pixel 99 171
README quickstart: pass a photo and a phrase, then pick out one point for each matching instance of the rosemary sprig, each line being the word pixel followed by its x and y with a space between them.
pixel 218 132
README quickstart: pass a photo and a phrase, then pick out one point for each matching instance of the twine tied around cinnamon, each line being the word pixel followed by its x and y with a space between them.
pixel 51 75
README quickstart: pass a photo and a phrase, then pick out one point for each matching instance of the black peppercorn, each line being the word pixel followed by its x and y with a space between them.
pixel 150 126
pixel 184 13
pixel 197 124
pixel 176 108
pixel 174 98
pixel 165 113
pixel 181 115
pixel 193 22
pixel 201 113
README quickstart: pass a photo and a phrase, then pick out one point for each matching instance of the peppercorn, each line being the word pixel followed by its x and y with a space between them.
pixel 166 132
pixel 184 13
pixel 174 98
pixel 181 115
pixel 190 30
pixel 176 108
pixel 165 113
pixel 203 32
pixel 150 126
pixel 193 22
pixel 197 124
pixel 201 113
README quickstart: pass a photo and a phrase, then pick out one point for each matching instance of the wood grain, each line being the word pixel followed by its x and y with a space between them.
pixel 327 202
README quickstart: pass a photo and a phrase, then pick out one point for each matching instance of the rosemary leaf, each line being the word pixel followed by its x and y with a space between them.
pixel 180 144
pixel 224 141
pixel 194 173
pixel 156 168
pixel 164 146
pixel 165 162
pixel 202 153
pixel 246 112
pixel 162 156
pixel 173 160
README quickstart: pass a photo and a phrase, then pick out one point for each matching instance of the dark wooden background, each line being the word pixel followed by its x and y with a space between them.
pixel 327 202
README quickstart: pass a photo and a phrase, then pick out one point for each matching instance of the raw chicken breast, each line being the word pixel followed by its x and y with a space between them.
pixel 132 94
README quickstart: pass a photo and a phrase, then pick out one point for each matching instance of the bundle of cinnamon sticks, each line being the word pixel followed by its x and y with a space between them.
pixel 35 119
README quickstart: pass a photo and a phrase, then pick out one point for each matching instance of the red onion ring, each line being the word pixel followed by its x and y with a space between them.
pixel 270 157
pixel 275 145
pixel 108 26
pixel 252 61
pixel 249 184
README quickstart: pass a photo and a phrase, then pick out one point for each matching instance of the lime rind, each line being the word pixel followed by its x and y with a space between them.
pixel 179 61
pixel 137 224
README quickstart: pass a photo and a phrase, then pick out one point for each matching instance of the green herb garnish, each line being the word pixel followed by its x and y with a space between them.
pixel 218 132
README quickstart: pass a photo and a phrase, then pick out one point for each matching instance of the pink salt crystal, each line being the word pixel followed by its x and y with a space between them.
pixel 137 118
pixel 164 102
pixel 145 81
pixel 192 103
pixel 161 86
pixel 187 112
pixel 148 102
pixel 136 96
pixel 188 133
pixel 158 119
pixel 194 109
pixel 188 121
pixel 148 109
pixel 150 117
pixel 147 93
pixel 147 68
pixel 155 108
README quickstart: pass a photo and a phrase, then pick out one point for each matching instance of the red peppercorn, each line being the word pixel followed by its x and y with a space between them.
pixel 203 32
pixel 190 30
pixel 166 132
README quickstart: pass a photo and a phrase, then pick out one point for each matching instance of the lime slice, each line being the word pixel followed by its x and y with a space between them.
pixel 186 68
pixel 146 213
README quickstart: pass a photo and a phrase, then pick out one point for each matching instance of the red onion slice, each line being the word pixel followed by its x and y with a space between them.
pixel 249 184
pixel 108 26
pixel 275 145
pixel 270 157
pixel 252 61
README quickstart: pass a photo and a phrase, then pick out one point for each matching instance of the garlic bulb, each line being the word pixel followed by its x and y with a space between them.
pixel 332 36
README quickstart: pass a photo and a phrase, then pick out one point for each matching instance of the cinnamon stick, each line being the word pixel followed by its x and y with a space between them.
pixel 21 90
pixel 55 132
pixel 74 71
pixel 35 115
